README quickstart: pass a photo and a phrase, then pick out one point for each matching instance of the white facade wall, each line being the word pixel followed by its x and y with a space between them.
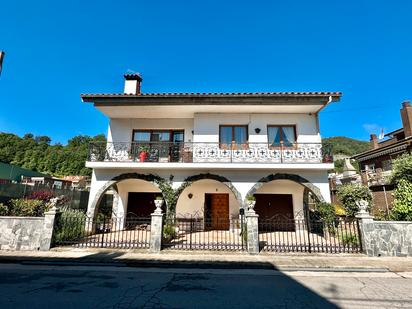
pixel 242 180
pixel 121 130
pixel 195 205
pixel 206 126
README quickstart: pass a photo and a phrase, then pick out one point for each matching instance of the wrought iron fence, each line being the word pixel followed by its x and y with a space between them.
pixel 102 232
pixel 205 234
pixel 188 152
pixel 308 235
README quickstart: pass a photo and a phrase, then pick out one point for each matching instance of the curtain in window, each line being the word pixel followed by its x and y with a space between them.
pixel 288 136
pixel 226 135
pixel 274 136
pixel 240 135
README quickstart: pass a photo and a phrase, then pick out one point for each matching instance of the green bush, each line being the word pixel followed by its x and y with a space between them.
pixel 326 213
pixel 169 231
pixel 349 240
pixel 349 194
pixel 70 225
pixel 27 208
pixel 4 210
pixel 402 209
pixel 402 169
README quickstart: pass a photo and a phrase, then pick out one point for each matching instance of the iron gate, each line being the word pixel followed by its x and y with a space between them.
pixel 103 232
pixel 309 235
pixel 191 233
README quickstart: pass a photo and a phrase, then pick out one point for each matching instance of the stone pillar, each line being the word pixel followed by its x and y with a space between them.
pixel 48 229
pixel 156 229
pixel 252 231
pixel 366 226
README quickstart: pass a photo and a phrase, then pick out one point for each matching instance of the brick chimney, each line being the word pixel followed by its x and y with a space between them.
pixel 374 141
pixel 406 115
pixel 132 83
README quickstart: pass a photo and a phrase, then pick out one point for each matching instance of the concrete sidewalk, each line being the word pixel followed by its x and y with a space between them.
pixel 222 259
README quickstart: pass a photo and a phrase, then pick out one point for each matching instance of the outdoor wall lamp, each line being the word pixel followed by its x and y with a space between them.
pixel 257 130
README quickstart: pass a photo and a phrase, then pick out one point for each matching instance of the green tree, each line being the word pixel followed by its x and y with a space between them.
pixel 402 169
pixel 349 194
pixel 37 153
pixel 402 209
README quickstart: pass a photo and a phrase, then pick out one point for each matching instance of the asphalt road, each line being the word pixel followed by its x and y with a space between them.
pixel 43 286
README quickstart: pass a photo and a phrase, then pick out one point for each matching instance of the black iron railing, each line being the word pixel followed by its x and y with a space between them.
pixel 205 234
pixel 308 235
pixel 189 152
pixel 102 232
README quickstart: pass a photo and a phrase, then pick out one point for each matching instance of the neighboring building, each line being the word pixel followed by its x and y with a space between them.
pixel 47 181
pixel 216 147
pixel 78 182
pixel 11 173
pixel 376 163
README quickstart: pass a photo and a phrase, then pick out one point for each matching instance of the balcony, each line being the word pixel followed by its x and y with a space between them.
pixel 189 152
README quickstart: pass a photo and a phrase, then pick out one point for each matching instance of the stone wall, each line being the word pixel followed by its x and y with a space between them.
pixel 387 238
pixel 21 233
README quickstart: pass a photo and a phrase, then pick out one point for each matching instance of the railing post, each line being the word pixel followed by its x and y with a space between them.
pixel 156 229
pixel 48 229
pixel 252 226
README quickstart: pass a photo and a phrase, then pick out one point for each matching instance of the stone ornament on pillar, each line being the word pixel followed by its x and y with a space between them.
pixel 363 212
pixel 158 203
pixel 250 203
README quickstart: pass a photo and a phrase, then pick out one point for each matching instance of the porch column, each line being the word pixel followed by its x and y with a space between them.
pixel 156 229
pixel 252 231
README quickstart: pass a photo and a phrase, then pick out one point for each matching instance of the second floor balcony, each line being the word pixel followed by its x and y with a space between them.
pixel 198 152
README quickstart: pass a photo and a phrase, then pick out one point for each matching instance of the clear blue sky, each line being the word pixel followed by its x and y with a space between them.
pixel 56 50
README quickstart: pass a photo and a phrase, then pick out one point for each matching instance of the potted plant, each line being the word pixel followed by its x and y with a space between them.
pixel 250 201
pixel 143 152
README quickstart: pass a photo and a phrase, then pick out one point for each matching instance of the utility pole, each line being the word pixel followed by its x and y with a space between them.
pixel 2 53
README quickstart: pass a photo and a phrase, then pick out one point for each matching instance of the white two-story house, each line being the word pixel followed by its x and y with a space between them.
pixel 213 149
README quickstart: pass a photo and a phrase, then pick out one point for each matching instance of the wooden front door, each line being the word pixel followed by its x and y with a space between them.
pixel 217 211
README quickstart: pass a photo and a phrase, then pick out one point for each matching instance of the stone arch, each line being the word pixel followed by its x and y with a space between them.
pixel 154 179
pixel 293 177
pixel 191 179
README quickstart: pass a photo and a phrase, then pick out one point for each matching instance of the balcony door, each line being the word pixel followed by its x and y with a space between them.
pixel 162 145
pixel 175 136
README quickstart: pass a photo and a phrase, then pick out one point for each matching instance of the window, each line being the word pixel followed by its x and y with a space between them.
pixel 387 165
pixel 229 135
pixel 281 135
pixel 175 136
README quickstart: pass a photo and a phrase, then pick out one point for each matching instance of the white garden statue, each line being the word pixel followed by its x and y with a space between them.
pixel 363 212
pixel 363 206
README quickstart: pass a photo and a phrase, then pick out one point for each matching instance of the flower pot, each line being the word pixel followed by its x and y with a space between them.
pixel 143 156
